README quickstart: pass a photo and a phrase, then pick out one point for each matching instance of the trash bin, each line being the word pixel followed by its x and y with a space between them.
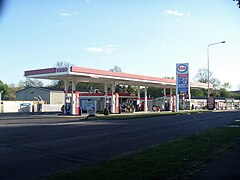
pixel 120 110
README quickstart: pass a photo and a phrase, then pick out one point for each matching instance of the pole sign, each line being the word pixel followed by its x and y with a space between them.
pixel 182 78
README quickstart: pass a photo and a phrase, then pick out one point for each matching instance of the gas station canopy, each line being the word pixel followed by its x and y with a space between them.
pixel 80 74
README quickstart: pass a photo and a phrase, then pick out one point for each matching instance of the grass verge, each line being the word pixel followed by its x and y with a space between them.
pixel 144 115
pixel 172 159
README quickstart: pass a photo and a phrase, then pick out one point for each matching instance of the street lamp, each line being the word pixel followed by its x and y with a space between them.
pixel 208 61
pixel 1 101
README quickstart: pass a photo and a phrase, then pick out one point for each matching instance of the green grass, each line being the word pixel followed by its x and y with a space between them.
pixel 143 115
pixel 171 159
pixel 236 123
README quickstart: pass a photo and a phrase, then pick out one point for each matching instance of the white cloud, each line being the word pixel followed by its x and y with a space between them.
pixel 68 13
pixel 177 20
pixel 109 48
pixel 94 49
pixel 175 13
pixel 88 1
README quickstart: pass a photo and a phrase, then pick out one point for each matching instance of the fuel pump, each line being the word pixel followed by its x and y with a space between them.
pixel 169 102
pixel 67 109
pixel 115 103
pixel 72 103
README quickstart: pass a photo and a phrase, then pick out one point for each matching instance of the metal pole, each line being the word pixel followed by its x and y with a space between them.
pixel 145 100
pixel 65 97
pixel 208 68
pixel 106 94
pixel 1 101
pixel 208 62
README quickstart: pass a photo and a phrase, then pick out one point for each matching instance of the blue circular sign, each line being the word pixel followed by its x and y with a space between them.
pixel 182 68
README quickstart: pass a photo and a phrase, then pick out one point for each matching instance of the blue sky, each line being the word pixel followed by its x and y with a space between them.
pixel 145 37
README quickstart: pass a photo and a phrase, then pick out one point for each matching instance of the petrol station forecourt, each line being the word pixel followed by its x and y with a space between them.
pixel 76 74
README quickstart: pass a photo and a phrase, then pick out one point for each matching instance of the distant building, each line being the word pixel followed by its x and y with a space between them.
pixel 48 95
pixel 236 92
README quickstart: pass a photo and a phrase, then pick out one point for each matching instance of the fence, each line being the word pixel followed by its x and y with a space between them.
pixel 51 107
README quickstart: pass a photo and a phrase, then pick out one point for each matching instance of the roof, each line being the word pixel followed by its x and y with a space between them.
pixel 237 91
pixel 42 88
pixel 205 97
pixel 82 74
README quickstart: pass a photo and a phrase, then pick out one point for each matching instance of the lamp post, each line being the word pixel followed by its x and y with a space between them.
pixel 1 101
pixel 208 61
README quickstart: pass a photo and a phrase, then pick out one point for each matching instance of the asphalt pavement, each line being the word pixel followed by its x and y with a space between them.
pixel 33 146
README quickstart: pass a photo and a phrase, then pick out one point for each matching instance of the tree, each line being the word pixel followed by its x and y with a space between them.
pixel 11 92
pixel 3 88
pixel 238 3
pixel 21 85
pixel 30 83
pixel 216 83
pixel 202 76
pixel 226 86
pixel 155 92
pixel 87 86
pixel 224 90
pixel 116 69
pixel 61 64
pixel 122 88
pixel 235 95
pixel 198 92
pixel 131 89
pixel 33 83
pixel 168 77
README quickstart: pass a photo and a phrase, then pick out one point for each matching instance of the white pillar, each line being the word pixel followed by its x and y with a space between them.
pixel 73 103
pixel 170 91
pixel 139 93
pixel 177 102
pixel 65 86
pixel 164 91
pixel 113 86
pixel 66 94
pixel 145 100
pixel 106 93
pixel 189 98
pixel 113 103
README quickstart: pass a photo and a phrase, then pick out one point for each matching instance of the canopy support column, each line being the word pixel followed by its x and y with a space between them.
pixel 73 103
pixel 106 93
pixel 139 93
pixel 145 100
pixel 164 91
pixel 66 94
pixel 113 103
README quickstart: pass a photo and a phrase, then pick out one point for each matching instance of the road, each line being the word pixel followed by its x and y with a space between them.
pixel 34 146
